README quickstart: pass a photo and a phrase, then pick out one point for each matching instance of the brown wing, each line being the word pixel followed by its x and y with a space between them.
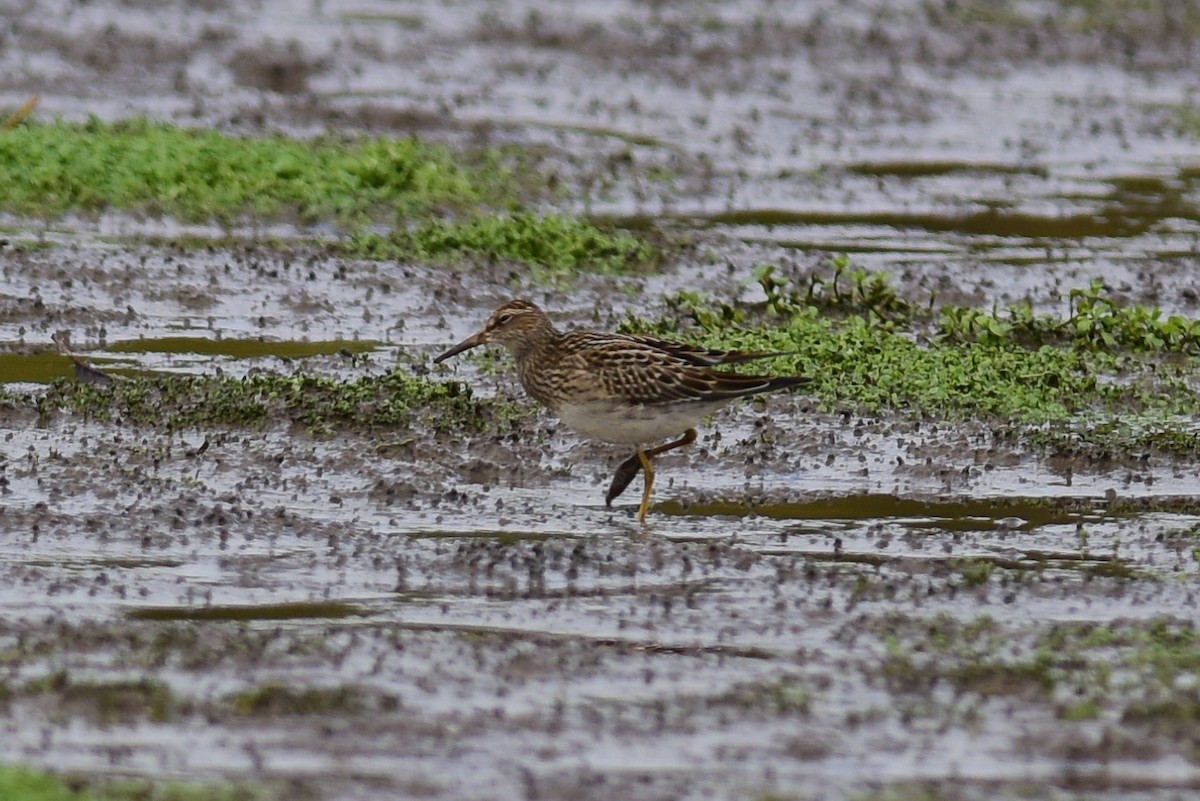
pixel 637 372
pixel 701 357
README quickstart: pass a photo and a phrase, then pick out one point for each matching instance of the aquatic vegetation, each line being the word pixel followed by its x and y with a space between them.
pixel 273 700
pixel 30 785
pixel 858 362
pixel 777 698
pixel 1187 118
pixel 1094 320
pixel 107 702
pixel 288 611
pixel 1118 670
pixel 848 290
pixel 549 244
pixel 315 403
pixel 1093 380
pixel 445 205
pixel 1133 20
pixel 1132 17
pixel 202 175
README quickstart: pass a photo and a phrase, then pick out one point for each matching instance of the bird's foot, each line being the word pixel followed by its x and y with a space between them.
pixel 626 472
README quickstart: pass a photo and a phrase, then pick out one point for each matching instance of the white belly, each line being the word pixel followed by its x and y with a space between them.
pixel 634 425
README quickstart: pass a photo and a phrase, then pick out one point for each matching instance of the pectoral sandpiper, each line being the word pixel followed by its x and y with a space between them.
pixel 620 388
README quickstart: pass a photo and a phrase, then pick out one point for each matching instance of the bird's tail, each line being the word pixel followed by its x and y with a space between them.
pixel 734 385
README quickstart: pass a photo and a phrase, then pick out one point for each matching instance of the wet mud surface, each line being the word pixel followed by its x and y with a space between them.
pixel 822 606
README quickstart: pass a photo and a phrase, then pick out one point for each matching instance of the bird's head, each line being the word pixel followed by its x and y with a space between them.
pixel 512 325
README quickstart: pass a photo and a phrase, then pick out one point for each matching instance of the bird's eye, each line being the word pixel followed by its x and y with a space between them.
pixel 504 319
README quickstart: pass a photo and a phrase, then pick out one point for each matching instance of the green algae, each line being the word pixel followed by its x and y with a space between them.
pixel 445 206
pixel 287 611
pixel 274 700
pixel 1131 20
pixel 42 367
pixel 776 698
pixel 1103 380
pixel 107 702
pixel 1149 18
pixel 18 783
pixel 1124 669
pixel 202 175
pixel 549 243
pixel 319 404
pixel 1095 321
pixel 23 784
pixel 865 363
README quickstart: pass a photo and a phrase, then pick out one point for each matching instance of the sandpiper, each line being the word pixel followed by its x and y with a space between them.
pixel 628 389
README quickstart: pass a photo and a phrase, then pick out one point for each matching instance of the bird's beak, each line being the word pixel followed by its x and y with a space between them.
pixel 470 342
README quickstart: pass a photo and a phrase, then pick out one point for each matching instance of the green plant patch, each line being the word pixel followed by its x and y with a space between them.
pixel 1104 380
pixel 318 404
pixel 203 175
pixel 1141 672
pixel 780 698
pixel 274 700
pixel 1142 18
pixel 865 363
pixel 973 656
pixel 1095 321
pixel 26 785
pixel 846 290
pixel 21 784
pixel 1187 120
pixel 550 244
pixel 106 702
pixel 1135 20
pixel 444 206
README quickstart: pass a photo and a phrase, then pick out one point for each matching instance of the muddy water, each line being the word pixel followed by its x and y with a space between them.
pixel 821 607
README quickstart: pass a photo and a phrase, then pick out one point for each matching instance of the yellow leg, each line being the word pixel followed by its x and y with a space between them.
pixel 649 470
pixel 641 461
pixel 629 468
